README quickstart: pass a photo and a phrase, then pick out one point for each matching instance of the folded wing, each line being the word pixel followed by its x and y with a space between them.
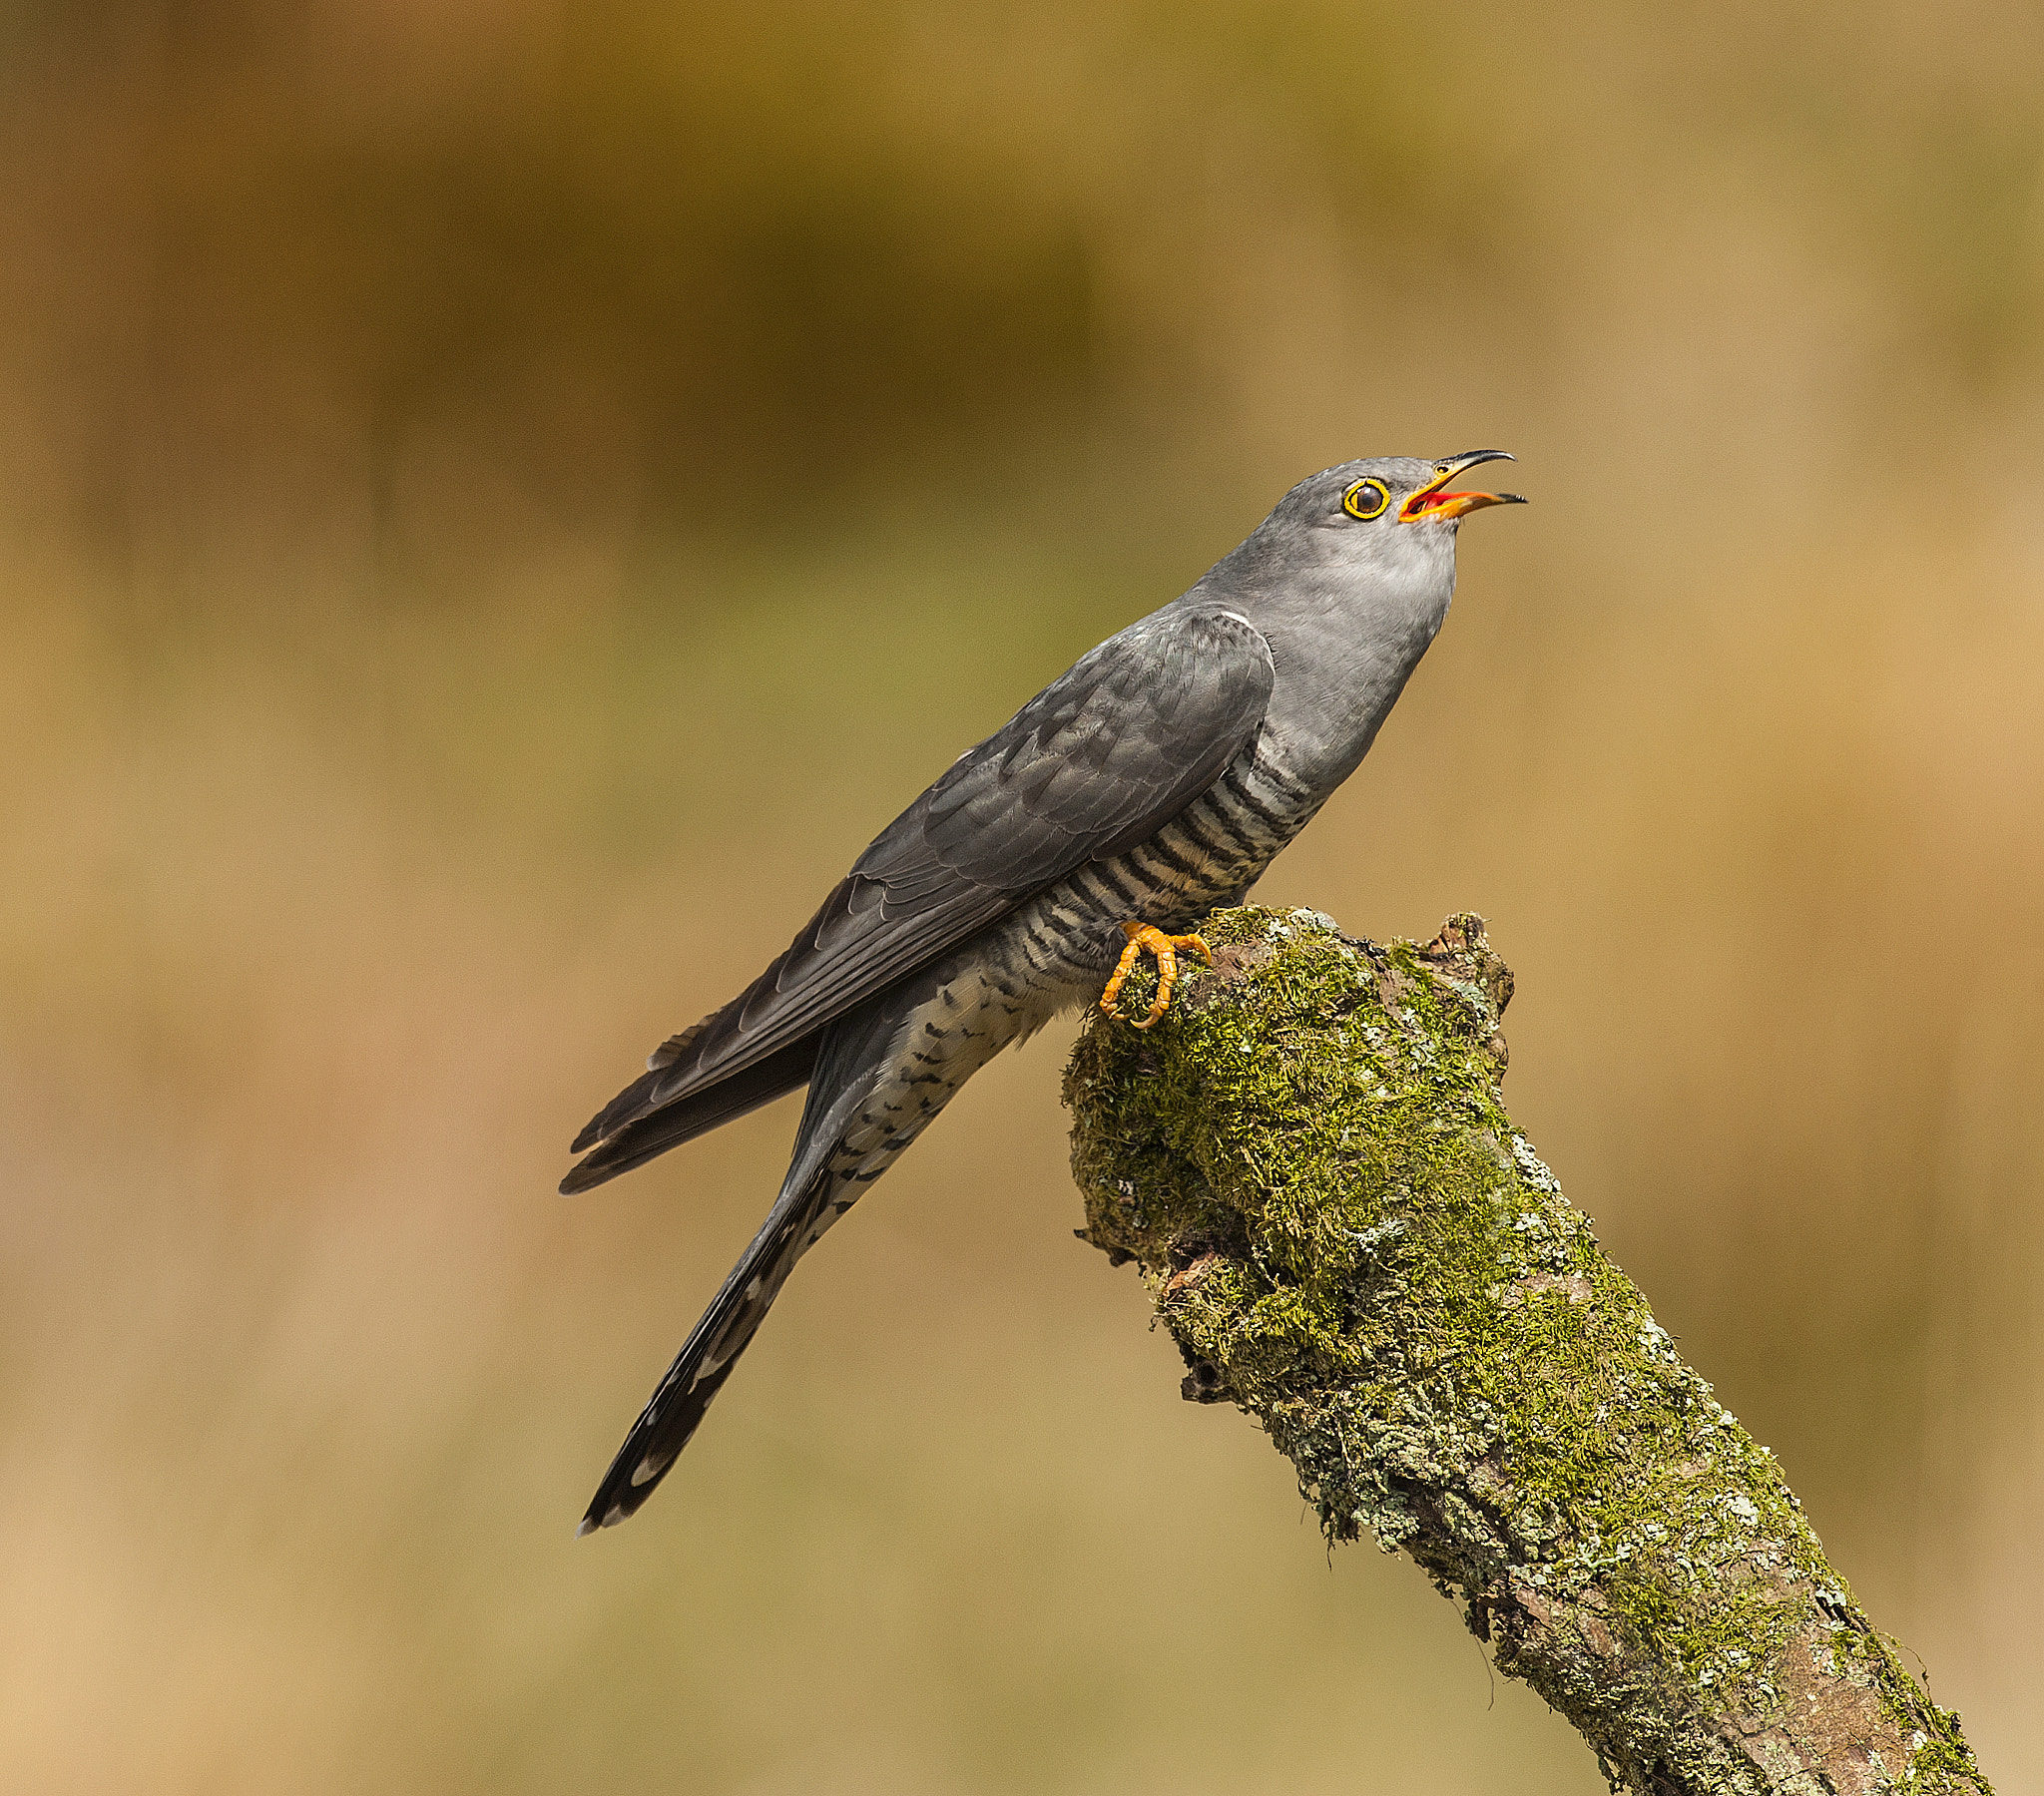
pixel 1096 763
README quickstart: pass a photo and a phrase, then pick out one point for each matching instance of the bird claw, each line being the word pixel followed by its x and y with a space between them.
pixel 1167 948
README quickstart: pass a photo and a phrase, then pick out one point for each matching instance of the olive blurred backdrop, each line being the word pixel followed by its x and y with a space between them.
pixel 500 500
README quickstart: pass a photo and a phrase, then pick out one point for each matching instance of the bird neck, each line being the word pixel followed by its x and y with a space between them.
pixel 1344 642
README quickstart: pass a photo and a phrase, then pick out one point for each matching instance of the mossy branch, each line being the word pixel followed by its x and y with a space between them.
pixel 1312 1162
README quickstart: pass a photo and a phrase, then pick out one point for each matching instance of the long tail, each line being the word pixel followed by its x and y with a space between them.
pixel 847 1059
pixel 706 1357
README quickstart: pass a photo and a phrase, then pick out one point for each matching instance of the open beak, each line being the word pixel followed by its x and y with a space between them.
pixel 1432 501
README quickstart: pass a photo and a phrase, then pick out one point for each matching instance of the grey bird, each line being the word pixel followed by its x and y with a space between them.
pixel 1148 785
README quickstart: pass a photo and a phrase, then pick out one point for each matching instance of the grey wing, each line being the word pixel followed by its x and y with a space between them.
pixel 1097 763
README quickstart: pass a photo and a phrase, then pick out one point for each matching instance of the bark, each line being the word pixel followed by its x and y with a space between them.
pixel 1311 1160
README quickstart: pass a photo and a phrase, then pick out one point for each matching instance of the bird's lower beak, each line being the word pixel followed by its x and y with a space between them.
pixel 1431 502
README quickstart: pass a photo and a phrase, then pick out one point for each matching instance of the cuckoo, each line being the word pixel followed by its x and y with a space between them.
pixel 1148 785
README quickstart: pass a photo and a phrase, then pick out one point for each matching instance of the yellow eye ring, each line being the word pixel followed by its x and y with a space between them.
pixel 1366 498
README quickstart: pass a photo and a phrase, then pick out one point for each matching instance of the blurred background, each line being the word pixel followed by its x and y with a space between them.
pixel 499 501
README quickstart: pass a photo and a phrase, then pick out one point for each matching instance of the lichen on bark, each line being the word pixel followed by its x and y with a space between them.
pixel 1311 1160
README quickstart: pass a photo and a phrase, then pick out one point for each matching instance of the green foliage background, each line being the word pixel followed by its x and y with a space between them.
pixel 499 501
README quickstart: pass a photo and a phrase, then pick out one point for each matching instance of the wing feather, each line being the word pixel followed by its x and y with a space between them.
pixel 1097 763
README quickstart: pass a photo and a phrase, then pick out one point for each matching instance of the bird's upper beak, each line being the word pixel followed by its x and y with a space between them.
pixel 1431 501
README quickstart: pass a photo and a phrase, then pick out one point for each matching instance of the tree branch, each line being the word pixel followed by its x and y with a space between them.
pixel 1311 1160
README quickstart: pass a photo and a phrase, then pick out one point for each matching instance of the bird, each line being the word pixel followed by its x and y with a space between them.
pixel 1148 785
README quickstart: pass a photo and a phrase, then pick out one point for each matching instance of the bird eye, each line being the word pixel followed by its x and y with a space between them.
pixel 1366 498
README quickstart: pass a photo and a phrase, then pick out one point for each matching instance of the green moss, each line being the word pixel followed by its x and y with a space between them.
pixel 1310 1160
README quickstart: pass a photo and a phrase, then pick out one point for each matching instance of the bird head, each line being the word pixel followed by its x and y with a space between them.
pixel 1391 516
pixel 1397 491
pixel 1379 533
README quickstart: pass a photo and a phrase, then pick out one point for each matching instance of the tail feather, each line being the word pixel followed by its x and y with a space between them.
pixel 666 1424
pixel 842 1063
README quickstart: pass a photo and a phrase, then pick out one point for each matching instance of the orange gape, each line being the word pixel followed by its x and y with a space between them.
pixel 1165 948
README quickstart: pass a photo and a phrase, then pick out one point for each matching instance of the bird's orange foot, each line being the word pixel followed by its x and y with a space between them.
pixel 1167 948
